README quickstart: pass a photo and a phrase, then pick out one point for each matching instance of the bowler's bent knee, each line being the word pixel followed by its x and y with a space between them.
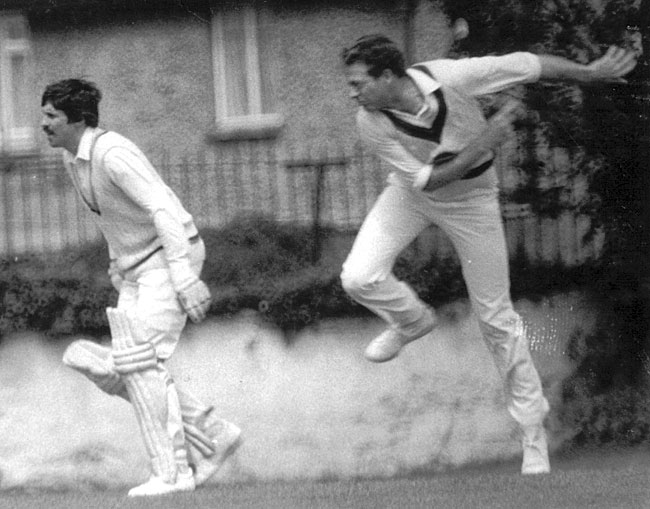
pixel 356 284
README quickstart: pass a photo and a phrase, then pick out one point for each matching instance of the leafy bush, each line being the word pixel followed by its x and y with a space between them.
pixel 253 247
pixel 261 264
pixel 619 416
pixel 607 399
pixel 253 263
pixel 54 305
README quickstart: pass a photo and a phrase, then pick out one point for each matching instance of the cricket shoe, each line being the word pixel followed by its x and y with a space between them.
pixel 225 438
pixel 535 449
pixel 388 344
pixel 155 486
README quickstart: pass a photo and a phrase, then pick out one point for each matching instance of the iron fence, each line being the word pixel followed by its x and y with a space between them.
pixel 41 212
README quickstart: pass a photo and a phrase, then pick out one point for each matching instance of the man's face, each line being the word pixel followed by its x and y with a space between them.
pixel 60 133
pixel 371 93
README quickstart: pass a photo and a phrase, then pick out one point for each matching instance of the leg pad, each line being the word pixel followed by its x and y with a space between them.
pixel 135 358
pixel 95 362
pixel 147 389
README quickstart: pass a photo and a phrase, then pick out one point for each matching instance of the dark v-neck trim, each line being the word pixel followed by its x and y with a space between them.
pixel 433 133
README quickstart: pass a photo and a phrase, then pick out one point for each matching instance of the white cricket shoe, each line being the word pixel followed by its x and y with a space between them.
pixel 226 438
pixel 535 451
pixel 156 486
pixel 388 344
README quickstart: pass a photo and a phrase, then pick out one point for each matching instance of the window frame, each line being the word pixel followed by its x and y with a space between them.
pixel 14 139
pixel 255 124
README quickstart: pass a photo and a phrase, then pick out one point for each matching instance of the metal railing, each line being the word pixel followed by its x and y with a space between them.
pixel 41 212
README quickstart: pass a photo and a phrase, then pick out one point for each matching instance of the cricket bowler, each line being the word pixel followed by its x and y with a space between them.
pixel 425 122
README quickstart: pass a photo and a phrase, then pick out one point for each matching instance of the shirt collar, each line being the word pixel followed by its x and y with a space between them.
pixel 85 144
pixel 426 84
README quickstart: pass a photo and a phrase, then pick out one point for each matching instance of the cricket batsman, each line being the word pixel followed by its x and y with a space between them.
pixel 426 123
pixel 156 257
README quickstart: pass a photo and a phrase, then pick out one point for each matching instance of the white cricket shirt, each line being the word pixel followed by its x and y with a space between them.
pixel 453 118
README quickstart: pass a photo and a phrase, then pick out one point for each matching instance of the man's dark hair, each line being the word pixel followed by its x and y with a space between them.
pixel 77 98
pixel 378 52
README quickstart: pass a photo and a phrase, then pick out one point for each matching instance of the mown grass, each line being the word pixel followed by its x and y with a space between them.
pixel 596 479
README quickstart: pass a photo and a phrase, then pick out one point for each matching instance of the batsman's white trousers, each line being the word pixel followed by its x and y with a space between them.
pixel 475 228
pixel 147 290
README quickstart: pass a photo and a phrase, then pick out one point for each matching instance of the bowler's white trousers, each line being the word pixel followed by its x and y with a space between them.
pixel 475 228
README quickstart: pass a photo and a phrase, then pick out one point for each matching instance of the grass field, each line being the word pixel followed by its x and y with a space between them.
pixel 603 479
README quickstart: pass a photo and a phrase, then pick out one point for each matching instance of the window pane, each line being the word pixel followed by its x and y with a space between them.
pixel 16 28
pixel 267 69
pixel 244 62
pixel 235 63
pixel 19 93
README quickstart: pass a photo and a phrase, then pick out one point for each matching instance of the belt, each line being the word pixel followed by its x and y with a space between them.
pixel 445 157
pixel 192 240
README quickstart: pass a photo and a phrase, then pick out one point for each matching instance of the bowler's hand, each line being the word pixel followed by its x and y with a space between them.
pixel 443 170
pixel 195 300
pixel 500 124
pixel 613 65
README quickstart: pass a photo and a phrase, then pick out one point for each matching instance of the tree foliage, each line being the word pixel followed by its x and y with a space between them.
pixel 606 130
pixel 604 127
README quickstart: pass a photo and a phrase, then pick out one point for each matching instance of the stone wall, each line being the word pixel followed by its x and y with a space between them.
pixel 312 410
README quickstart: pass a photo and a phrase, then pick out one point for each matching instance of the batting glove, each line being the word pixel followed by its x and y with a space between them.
pixel 195 299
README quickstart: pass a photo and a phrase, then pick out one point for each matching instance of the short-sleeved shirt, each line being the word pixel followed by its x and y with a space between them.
pixel 451 119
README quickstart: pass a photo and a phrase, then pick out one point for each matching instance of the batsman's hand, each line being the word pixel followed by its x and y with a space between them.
pixel 195 300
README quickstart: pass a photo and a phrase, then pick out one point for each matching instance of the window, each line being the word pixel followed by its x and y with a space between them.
pixel 16 108
pixel 243 82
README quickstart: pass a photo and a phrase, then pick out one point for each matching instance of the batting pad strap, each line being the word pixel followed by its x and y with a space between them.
pixel 199 440
pixel 135 358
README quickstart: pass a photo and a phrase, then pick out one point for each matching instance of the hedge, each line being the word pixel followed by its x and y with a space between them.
pixel 253 263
